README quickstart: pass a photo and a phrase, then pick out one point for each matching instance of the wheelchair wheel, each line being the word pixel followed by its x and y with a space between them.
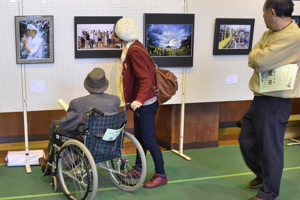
pixel 76 171
pixel 128 180
pixel 54 183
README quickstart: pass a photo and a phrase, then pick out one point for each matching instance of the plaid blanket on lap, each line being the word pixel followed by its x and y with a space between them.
pixel 100 149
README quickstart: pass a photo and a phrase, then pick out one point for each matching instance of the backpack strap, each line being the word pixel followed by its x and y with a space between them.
pixel 146 52
pixel 156 90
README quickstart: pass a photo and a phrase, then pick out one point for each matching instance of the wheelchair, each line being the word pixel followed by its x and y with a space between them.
pixel 74 160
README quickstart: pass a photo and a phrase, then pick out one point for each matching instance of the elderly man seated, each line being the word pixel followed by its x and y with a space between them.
pixel 95 83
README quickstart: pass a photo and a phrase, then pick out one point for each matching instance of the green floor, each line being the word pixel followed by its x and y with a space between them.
pixel 213 174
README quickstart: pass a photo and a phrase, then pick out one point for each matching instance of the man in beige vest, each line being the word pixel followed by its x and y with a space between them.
pixel 264 124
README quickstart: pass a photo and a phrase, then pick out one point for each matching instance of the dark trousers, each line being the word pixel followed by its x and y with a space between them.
pixel 144 131
pixel 55 128
pixel 52 129
pixel 82 43
pixel 261 141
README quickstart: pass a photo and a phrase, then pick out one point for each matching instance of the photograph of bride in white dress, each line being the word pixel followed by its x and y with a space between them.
pixel 34 39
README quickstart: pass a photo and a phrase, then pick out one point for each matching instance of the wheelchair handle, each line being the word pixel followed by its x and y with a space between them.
pixel 128 105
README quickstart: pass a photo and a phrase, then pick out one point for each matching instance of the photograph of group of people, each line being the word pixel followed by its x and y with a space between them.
pixel 234 36
pixel 96 37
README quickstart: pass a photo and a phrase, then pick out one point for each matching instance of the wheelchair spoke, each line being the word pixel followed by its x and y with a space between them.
pixel 74 178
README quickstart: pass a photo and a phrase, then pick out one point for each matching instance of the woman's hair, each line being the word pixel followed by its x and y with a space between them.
pixel 283 8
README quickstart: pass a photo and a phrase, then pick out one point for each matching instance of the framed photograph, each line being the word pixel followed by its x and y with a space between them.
pixel 233 36
pixel 34 39
pixel 296 20
pixel 169 38
pixel 95 37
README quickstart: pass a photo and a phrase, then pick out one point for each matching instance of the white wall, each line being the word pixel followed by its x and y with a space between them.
pixel 64 78
pixel 207 79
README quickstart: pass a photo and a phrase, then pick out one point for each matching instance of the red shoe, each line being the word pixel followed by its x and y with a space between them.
pixel 156 181
pixel 133 173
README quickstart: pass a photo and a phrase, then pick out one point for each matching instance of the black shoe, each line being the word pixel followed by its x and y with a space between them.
pixel 255 183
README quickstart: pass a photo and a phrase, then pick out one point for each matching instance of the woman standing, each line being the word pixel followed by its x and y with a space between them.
pixel 92 41
pixel 105 38
pixel 138 76
pixel 87 39
pixel 96 36
pixel 102 39
pixel 99 38
pixel 82 39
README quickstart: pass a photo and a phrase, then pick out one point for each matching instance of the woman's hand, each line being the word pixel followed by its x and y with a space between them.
pixel 135 105
pixel 25 40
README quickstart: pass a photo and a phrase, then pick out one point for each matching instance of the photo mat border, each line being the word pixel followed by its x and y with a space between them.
pixel 296 17
pixel 51 39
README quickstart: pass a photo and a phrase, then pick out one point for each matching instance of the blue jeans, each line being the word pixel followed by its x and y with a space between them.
pixel 144 131
pixel 92 43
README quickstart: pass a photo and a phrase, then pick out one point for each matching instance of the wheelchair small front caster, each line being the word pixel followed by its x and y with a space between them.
pixel 54 183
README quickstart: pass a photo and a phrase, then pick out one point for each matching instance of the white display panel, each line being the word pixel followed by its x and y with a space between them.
pixel 10 72
pixel 205 81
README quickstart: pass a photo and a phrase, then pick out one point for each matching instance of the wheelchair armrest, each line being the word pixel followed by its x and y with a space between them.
pixel 99 112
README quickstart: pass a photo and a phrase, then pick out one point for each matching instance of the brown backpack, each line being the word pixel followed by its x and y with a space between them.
pixel 166 82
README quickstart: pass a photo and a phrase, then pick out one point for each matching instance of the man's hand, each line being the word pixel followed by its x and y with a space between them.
pixel 135 105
